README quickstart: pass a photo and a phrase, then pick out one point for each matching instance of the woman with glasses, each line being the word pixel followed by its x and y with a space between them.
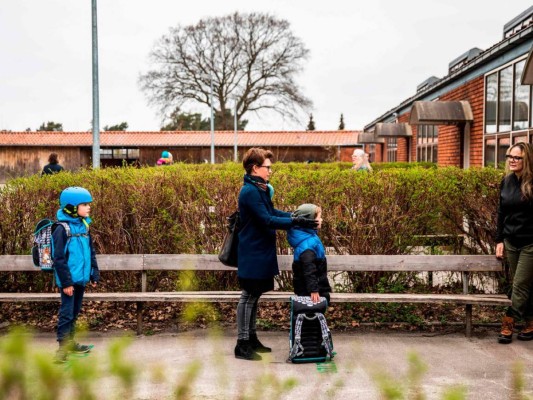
pixel 257 257
pixel 514 239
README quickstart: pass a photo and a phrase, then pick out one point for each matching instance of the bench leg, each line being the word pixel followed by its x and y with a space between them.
pixel 468 320
pixel 139 318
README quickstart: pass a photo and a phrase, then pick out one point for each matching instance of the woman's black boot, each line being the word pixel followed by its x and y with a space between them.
pixel 244 350
pixel 257 345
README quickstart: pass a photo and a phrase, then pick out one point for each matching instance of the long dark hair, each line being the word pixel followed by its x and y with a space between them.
pixel 526 187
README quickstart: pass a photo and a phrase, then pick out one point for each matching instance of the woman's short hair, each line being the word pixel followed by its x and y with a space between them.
pixel 255 156
pixel 359 152
pixel 52 158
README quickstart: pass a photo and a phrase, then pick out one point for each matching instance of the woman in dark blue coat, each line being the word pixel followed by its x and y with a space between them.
pixel 257 256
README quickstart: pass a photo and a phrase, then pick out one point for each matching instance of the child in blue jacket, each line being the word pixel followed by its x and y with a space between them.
pixel 310 267
pixel 74 264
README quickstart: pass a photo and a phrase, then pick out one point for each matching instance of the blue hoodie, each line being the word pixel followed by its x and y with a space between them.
pixel 302 239
pixel 74 257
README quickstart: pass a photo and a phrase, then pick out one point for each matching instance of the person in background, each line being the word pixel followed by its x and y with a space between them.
pixel 360 161
pixel 53 166
pixel 257 256
pixel 514 239
pixel 310 267
pixel 166 158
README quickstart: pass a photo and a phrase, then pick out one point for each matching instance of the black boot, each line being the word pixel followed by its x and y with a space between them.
pixel 244 350
pixel 257 345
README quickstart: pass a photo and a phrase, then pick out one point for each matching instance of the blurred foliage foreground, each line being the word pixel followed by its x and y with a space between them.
pixel 182 209
pixel 28 372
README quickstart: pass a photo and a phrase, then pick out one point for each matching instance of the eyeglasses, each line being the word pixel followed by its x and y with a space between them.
pixel 265 166
pixel 514 158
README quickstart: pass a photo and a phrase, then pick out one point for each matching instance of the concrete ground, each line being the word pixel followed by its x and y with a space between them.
pixel 166 361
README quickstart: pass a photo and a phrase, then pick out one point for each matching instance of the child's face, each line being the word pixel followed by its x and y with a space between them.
pixel 84 209
pixel 319 217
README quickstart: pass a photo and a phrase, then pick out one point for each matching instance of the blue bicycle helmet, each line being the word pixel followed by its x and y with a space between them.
pixel 165 154
pixel 74 196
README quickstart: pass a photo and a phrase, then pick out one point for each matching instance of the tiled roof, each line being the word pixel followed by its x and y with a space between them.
pixel 181 138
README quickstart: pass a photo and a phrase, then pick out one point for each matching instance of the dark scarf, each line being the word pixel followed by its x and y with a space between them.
pixel 257 181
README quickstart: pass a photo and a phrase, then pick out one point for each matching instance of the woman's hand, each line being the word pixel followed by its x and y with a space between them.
pixel 499 250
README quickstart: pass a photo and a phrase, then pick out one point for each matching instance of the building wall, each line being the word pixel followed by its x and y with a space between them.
pixel 450 136
pixel 149 155
pixel 473 92
pixel 18 161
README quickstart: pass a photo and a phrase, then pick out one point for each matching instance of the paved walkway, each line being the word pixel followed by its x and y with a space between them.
pixel 481 365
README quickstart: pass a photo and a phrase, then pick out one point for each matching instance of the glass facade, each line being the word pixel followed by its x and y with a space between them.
pixel 507 112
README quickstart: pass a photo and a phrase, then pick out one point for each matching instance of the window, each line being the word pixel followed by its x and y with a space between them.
pixel 504 100
pixel 372 152
pixel 427 142
pixel 521 99
pixel 106 153
pixel 491 99
pixel 507 112
pixel 120 154
pixel 392 149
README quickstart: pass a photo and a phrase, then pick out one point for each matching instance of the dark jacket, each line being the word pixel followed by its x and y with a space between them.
pixel 257 237
pixel 310 267
pixel 50 169
pixel 515 214
pixel 74 257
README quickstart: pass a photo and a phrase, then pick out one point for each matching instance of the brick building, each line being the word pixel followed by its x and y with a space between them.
pixel 469 117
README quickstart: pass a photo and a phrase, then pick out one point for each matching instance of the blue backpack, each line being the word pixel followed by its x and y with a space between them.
pixel 43 246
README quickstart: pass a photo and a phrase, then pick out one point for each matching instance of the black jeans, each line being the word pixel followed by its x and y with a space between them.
pixel 246 315
pixel 68 313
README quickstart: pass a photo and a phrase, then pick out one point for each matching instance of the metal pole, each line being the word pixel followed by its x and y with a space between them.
pixel 235 155
pixel 96 111
pixel 212 124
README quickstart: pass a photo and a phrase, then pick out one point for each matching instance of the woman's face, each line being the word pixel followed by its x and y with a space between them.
pixel 264 170
pixel 516 160
pixel 355 158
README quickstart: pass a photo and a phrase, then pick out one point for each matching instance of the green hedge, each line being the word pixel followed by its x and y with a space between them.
pixel 182 208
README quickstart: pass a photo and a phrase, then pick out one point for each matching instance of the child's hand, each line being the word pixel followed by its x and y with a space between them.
pixel 94 284
pixel 69 290
pixel 315 297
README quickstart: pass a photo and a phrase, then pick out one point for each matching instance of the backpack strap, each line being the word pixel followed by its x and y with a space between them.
pixel 297 348
pixel 326 335
pixel 66 226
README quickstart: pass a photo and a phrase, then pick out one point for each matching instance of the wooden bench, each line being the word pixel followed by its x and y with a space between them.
pixel 464 264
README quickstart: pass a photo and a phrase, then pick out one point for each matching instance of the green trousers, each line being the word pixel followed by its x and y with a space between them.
pixel 521 267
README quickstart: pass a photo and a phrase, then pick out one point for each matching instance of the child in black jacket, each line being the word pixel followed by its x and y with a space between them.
pixel 310 267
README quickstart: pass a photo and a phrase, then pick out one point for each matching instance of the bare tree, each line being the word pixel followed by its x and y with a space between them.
pixel 252 59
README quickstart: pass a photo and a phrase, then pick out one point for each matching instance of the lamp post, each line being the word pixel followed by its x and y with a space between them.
pixel 96 111
pixel 235 154
pixel 212 122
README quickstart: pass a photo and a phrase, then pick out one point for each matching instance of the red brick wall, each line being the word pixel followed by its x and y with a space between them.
pixel 473 92
pixel 450 137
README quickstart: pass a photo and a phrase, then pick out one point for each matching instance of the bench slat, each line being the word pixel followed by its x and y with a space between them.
pixel 233 296
pixel 209 262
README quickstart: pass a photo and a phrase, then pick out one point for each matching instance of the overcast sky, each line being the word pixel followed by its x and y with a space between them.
pixel 365 57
